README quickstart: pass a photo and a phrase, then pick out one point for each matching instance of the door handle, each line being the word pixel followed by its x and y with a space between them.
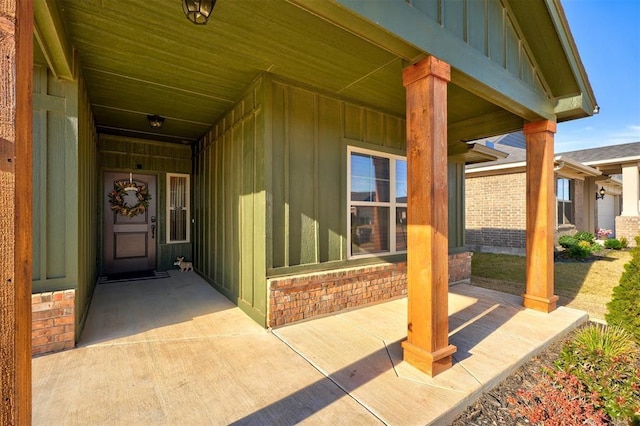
pixel 153 231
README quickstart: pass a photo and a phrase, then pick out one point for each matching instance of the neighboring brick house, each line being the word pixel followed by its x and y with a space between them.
pixel 496 192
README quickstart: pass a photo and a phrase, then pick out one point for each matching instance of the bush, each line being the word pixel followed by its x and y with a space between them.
pixel 557 399
pixel 624 242
pixel 607 361
pixel 580 245
pixel 624 307
pixel 584 236
pixel 567 241
pixel 612 243
pixel 582 250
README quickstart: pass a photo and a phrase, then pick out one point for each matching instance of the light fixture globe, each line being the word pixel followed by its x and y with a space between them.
pixel 198 11
pixel 155 121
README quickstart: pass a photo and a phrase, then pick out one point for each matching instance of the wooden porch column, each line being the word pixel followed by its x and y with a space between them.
pixel 427 346
pixel 16 111
pixel 541 211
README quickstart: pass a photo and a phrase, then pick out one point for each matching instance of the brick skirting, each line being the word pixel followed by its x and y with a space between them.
pixel 53 321
pixel 628 227
pixel 299 297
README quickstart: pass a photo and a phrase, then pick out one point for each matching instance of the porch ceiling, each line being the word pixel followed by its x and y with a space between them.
pixel 140 60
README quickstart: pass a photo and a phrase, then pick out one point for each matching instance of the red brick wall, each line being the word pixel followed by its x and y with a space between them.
pixel 53 321
pixel 299 297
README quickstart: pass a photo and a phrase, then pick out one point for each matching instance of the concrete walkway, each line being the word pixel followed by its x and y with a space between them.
pixel 175 352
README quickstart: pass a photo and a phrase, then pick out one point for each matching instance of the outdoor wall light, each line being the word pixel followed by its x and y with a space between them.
pixel 155 121
pixel 600 194
pixel 198 11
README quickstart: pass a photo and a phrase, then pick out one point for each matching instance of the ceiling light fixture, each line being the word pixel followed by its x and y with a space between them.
pixel 198 11
pixel 155 121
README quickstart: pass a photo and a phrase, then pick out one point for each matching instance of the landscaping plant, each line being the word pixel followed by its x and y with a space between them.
pixel 624 242
pixel 606 360
pixel 612 243
pixel 579 246
pixel 624 308
pixel 557 399
pixel 595 380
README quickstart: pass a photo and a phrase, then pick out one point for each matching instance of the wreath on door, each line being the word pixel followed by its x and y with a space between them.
pixel 119 204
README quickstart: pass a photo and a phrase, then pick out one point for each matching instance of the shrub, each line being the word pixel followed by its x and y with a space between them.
pixel 584 236
pixel 624 307
pixel 557 399
pixel 567 241
pixel 582 250
pixel 607 361
pixel 624 242
pixel 612 243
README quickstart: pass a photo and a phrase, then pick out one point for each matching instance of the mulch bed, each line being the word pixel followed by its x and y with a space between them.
pixel 492 407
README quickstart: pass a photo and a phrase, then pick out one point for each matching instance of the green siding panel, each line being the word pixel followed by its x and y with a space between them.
pixel 56 194
pixel 280 187
pixel 454 17
pixel 330 184
pixel 456 205
pixel 477 25
pixel 65 177
pixel 302 185
pixel 230 218
pixel 496 31
pixel 374 122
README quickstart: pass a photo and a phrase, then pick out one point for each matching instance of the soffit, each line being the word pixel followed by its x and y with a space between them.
pixel 140 57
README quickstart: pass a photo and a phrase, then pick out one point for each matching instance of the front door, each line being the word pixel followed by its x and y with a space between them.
pixel 130 227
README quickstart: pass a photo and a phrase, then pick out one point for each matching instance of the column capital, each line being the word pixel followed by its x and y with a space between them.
pixel 429 66
pixel 539 127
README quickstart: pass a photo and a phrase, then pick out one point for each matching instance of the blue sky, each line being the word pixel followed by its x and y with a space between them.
pixel 607 33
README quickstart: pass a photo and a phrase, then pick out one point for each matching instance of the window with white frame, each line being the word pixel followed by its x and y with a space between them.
pixel 177 208
pixel 377 203
pixel 564 197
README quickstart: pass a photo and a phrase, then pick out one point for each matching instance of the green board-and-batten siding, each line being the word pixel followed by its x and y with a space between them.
pixel 310 136
pixel 229 205
pixel 270 187
pixel 64 182
pixel 118 153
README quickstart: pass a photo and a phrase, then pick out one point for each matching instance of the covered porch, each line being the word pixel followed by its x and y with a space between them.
pixel 174 350
pixel 271 104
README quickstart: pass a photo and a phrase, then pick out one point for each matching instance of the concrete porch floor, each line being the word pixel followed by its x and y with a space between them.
pixel 174 351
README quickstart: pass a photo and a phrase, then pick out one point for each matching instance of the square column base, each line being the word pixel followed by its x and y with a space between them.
pixel 538 303
pixel 431 363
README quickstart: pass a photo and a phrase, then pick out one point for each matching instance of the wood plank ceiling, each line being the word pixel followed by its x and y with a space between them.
pixel 143 57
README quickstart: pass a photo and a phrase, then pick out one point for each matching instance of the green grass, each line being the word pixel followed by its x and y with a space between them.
pixel 587 286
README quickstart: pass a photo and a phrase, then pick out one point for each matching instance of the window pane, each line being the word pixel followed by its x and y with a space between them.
pixel 178 208
pixel 369 230
pixel 177 225
pixel 401 181
pixel 369 178
pixel 401 228
pixel 563 190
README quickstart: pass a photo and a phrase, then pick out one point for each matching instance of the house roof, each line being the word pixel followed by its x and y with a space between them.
pixel 608 159
pixel 574 164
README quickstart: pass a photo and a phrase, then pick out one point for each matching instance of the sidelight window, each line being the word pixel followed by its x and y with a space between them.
pixel 177 208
